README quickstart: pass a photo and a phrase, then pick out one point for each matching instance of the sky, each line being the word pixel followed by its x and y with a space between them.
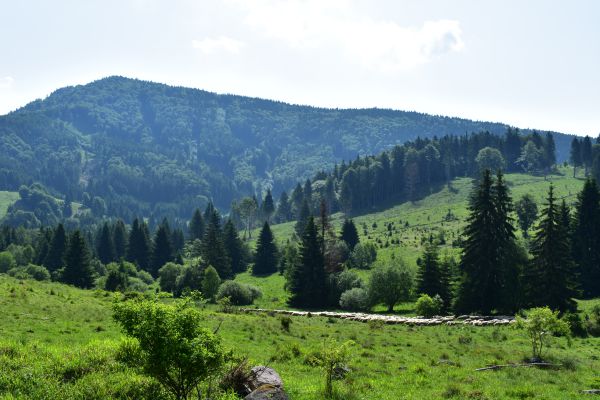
pixel 531 64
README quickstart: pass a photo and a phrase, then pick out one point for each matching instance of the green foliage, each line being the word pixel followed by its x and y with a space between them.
pixel 331 357
pixel 363 255
pixel 168 275
pixel 540 325
pixel 490 158
pixel 174 347
pixel 30 271
pixel 210 283
pixel 239 294
pixel 432 276
pixel 7 261
pixel 266 255
pixel 349 234
pixel 391 284
pixel 355 299
pixel 162 248
pixel 527 212
pixel 213 247
pixel 78 270
pixel 428 307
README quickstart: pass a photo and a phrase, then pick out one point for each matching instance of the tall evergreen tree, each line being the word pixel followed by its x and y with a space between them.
pixel 308 192
pixel 486 262
pixel 213 247
pixel 575 155
pixel 268 206
pixel 349 234
pixel 549 150
pixel 78 270
pixel 512 148
pixel 139 246
pixel 307 278
pixel 106 247
pixel 178 241
pixel 162 248
pixel 550 278
pixel 303 217
pixel 42 245
pixel 266 256
pixel 58 246
pixel 196 226
pixel 432 279
pixel 119 235
pixel 235 248
pixel 586 154
pixel 297 199
pixel 284 209
pixel 586 238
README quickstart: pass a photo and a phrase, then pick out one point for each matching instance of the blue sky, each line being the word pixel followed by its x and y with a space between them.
pixel 527 63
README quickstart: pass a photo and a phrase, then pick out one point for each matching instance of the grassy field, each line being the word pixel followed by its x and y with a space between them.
pixel 398 231
pixel 6 199
pixel 60 342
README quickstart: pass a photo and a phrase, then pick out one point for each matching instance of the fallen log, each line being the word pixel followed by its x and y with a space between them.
pixel 538 364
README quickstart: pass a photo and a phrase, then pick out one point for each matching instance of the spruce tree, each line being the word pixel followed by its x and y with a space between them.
pixel 78 270
pixel 284 209
pixel 349 234
pixel 432 279
pixel 58 246
pixel 575 155
pixel 307 278
pixel 586 238
pixel 302 220
pixel 196 226
pixel 42 246
pixel 266 256
pixel 120 239
pixel 106 247
pixel 162 249
pixel 139 246
pixel 235 248
pixel 550 278
pixel 213 247
pixel 268 206
pixel 486 264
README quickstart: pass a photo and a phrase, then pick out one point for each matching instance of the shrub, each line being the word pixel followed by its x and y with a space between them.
pixel 356 299
pixel 210 283
pixel 7 261
pixel 168 275
pixel 428 307
pixel 239 294
pixel 31 271
pixel 175 349
pixel 285 323
pixel 540 325
pixel 363 255
pixel 391 284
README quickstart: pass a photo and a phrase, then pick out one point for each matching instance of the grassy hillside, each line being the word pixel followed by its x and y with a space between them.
pixel 398 230
pixel 60 342
pixel 6 199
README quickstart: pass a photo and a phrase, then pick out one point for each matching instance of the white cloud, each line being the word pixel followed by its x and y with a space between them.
pixel 222 43
pixel 335 25
pixel 6 82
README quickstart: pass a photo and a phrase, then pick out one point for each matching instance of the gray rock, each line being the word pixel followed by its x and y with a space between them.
pixel 267 392
pixel 261 375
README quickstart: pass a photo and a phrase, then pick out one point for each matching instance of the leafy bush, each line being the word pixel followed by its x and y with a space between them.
pixel 391 284
pixel 168 275
pixel 356 299
pixel 7 261
pixel 363 255
pixel 239 294
pixel 210 283
pixel 30 271
pixel 428 307
pixel 541 324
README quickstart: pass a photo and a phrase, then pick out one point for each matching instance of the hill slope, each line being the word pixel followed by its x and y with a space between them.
pixel 150 148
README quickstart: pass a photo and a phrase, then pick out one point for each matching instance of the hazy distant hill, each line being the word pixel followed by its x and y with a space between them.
pixel 145 148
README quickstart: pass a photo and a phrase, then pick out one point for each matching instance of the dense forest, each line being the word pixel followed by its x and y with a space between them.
pixel 127 148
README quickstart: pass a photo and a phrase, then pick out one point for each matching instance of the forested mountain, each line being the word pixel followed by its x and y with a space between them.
pixel 126 147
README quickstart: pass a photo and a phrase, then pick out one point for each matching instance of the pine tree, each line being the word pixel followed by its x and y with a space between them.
pixel 297 199
pixel 234 246
pixel 178 241
pixel 284 209
pixel 78 270
pixel 58 246
pixel 349 234
pixel 575 155
pixel 120 239
pixel 162 248
pixel 549 150
pixel 431 278
pixel 487 264
pixel 266 256
pixel 42 246
pixel 308 192
pixel 268 206
pixel 139 246
pixel 550 278
pixel 586 154
pixel 106 247
pixel 196 226
pixel 307 278
pixel 586 238
pixel 213 247
pixel 303 217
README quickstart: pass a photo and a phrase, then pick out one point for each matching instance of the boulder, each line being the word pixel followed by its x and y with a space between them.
pixel 261 376
pixel 267 392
